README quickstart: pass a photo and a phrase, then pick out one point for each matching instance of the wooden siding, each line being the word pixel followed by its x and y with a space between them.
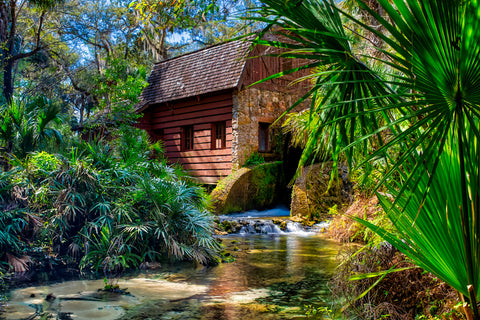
pixel 206 164
pixel 265 66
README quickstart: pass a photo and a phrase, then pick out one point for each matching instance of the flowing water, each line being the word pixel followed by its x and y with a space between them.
pixel 274 276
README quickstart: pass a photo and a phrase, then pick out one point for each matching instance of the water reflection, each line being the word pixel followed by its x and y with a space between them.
pixel 273 277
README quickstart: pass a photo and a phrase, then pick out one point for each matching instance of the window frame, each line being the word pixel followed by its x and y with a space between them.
pixel 217 136
pixel 188 138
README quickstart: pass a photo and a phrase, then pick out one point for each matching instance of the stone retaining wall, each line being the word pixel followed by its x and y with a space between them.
pixel 311 195
pixel 249 188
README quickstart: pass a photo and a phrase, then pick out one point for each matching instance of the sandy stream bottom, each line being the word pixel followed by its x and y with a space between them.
pixel 273 277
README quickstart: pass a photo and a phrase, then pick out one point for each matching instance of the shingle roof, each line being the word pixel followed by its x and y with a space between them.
pixel 207 70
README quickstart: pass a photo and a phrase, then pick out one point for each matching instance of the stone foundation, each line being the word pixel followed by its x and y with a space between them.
pixel 311 195
pixel 251 107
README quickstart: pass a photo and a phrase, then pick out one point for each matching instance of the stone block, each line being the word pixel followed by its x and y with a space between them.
pixel 314 193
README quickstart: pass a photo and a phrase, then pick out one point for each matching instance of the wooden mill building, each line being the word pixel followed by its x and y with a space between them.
pixel 210 120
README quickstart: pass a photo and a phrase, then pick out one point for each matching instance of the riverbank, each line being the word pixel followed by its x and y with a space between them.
pixel 404 295
pixel 273 297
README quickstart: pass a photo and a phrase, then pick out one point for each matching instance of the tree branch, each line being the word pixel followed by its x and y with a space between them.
pixel 38 47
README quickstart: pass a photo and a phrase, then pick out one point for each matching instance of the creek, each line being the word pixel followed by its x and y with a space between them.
pixel 274 276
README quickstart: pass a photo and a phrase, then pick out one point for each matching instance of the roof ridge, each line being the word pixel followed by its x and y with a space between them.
pixel 210 69
pixel 201 49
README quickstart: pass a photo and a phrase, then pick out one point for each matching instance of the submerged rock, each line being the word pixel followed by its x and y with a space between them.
pixel 50 297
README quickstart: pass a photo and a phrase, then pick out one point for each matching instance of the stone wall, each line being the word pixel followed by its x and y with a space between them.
pixel 250 107
pixel 249 188
pixel 311 195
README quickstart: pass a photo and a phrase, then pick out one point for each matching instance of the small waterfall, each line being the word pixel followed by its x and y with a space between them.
pixel 321 227
pixel 267 222
pixel 271 229
pixel 259 226
pixel 294 227
pixel 248 229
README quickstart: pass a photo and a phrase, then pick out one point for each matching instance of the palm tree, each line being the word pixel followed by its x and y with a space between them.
pixel 25 127
pixel 415 107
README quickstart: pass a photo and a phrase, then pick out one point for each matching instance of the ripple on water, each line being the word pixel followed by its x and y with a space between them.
pixel 270 272
pixel 82 299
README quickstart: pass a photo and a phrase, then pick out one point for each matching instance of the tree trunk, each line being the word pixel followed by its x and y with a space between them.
pixel 8 79
pixel 8 37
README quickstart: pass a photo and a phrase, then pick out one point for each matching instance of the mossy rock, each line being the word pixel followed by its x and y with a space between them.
pixel 249 188
pixel 314 193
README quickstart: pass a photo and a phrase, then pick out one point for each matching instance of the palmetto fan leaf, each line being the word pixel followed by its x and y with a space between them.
pixel 441 50
pixel 355 102
pixel 437 45
pixel 420 113
pixel 430 231
pixel 345 89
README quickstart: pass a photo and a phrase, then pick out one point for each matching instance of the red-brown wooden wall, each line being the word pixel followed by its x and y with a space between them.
pixel 204 163
pixel 207 165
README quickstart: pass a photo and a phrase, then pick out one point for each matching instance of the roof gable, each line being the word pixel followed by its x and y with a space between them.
pixel 207 70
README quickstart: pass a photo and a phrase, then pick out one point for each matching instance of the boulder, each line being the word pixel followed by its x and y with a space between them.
pixel 314 193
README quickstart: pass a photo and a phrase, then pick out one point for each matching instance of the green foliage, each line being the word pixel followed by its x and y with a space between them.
pixel 12 224
pixel 119 86
pixel 22 28
pixel 117 90
pixel 300 125
pixel 109 204
pixel 366 180
pixel 174 14
pixel 318 312
pixel 110 252
pixel 254 160
pixel 27 126
pixel 413 107
pixel 159 19
pixel 362 234
pixel 267 179
pixel 333 211
pixel 431 230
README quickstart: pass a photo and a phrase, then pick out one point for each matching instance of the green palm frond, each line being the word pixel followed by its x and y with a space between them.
pixel 345 90
pixel 355 106
pixel 414 105
pixel 26 126
pixel 431 231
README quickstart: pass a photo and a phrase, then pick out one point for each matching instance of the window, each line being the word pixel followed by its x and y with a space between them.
pixel 187 138
pixel 263 145
pixel 219 135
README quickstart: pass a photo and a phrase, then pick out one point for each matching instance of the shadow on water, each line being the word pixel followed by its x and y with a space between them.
pixel 273 277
